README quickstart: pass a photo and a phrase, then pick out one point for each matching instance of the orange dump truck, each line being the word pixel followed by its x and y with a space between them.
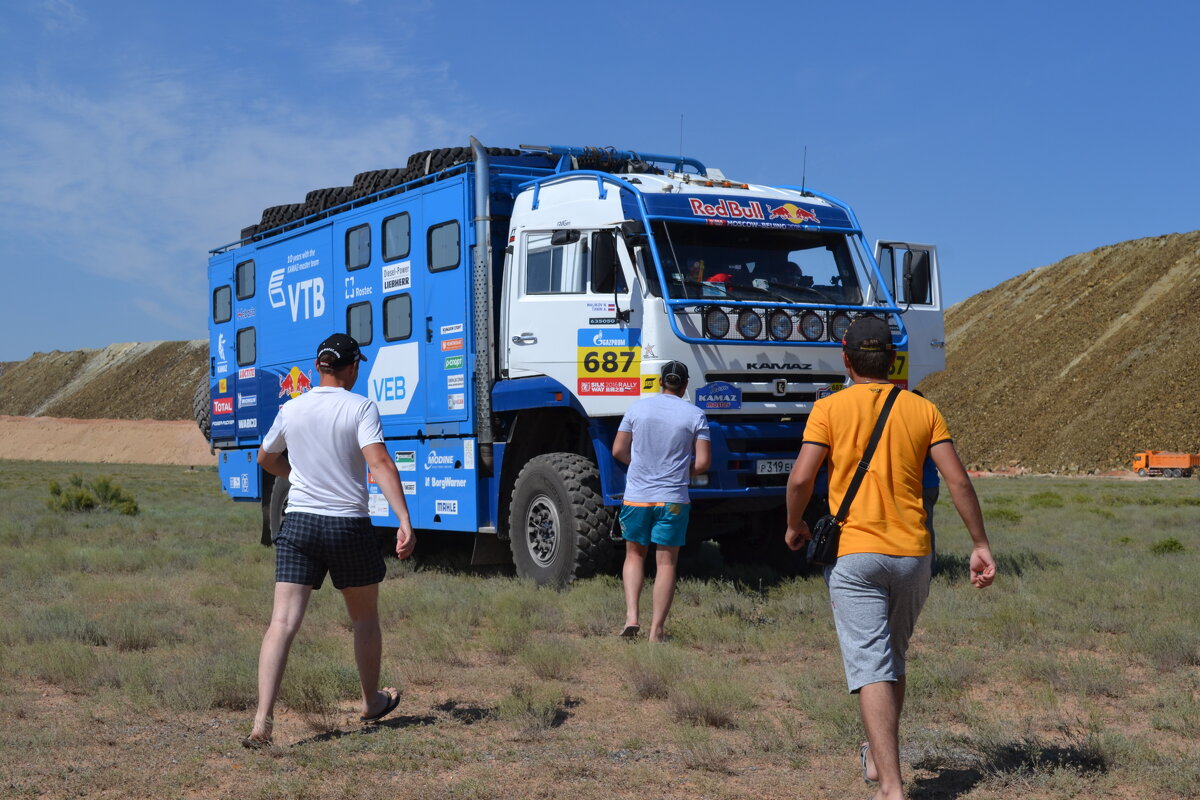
pixel 1168 465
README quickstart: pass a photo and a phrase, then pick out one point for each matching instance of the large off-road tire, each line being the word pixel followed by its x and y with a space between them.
pixel 202 407
pixel 559 528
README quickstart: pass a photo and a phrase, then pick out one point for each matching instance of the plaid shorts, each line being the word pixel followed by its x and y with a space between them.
pixel 310 545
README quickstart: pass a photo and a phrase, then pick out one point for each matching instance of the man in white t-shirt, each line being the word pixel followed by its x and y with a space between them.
pixel 658 438
pixel 322 442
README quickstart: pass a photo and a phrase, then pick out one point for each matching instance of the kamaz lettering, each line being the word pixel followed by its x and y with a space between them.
pixel 727 209
pixel 773 365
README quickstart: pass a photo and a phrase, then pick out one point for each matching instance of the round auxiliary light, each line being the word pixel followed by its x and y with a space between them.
pixel 838 325
pixel 716 323
pixel 749 324
pixel 812 326
pixel 780 325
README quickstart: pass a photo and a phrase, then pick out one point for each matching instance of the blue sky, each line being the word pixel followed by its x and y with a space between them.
pixel 134 137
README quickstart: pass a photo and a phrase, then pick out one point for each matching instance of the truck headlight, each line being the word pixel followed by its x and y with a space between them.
pixel 812 326
pixel 781 326
pixel 716 323
pixel 749 324
pixel 838 325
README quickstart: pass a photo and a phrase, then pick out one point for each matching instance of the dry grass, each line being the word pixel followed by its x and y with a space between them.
pixel 129 648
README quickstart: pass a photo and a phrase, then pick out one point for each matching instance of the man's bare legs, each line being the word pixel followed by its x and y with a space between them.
pixel 632 576
pixel 666 561
pixel 291 601
pixel 880 705
pixel 362 604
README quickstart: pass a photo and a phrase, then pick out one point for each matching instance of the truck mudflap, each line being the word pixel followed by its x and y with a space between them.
pixel 241 477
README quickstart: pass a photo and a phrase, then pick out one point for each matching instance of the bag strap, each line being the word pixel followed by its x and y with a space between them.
pixel 866 459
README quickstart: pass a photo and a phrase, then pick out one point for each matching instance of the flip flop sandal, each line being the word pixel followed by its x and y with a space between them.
pixel 862 757
pixel 393 701
pixel 631 631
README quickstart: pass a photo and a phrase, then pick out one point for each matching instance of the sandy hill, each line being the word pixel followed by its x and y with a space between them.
pixel 1076 366
pixel 1071 367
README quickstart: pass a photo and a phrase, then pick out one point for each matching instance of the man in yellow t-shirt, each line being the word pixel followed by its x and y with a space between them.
pixel 881 578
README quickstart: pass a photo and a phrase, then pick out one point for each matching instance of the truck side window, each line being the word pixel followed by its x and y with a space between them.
pixel 553 268
pixel 358 247
pixel 247 347
pixel 244 279
pixel 359 322
pixel 443 246
pixel 222 308
pixel 396 237
pixel 397 317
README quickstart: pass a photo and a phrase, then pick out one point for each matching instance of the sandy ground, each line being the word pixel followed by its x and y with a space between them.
pixel 105 441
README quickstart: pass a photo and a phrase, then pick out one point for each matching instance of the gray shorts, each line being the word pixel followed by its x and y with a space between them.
pixel 876 600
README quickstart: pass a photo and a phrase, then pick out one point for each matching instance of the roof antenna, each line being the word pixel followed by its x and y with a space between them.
pixel 681 142
pixel 804 173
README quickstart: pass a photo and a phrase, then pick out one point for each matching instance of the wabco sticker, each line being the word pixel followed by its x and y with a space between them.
pixel 243 424
pixel 609 362
pixel 397 277
pixel 456 401
pixel 245 373
pixel 453 362
pixel 719 395
pixel 452 344
pixel 449 507
pixel 295 383
pixel 406 460
pixel 455 381
pixel 449 329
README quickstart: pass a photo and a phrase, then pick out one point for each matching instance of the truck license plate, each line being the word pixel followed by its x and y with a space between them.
pixel 773 466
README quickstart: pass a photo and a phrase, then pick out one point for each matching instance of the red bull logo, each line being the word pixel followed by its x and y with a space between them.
pixel 727 209
pixel 295 383
pixel 790 212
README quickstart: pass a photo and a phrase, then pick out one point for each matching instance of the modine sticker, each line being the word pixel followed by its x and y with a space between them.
pixel 719 395
pixel 397 277
pixel 455 381
pixel 449 329
pixel 406 460
pixel 456 401
pixel 445 507
pixel 608 362
pixel 435 460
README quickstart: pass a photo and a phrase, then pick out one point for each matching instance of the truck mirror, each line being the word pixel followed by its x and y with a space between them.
pixel 606 269
pixel 916 277
pixel 563 236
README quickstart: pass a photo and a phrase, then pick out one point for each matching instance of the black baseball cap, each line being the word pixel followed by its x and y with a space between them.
pixel 674 374
pixel 868 333
pixel 339 350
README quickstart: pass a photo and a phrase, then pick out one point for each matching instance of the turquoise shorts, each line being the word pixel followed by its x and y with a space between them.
pixel 664 524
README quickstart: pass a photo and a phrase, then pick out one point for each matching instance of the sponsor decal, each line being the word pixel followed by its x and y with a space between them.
pixel 727 209
pixel 452 344
pixel 243 424
pixel 774 365
pixel 449 329
pixel 222 405
pixel 222 387
pixel 246 313
pixel 306 259
pixel 455 381
pixel 453 362
pixel 377 505
pixel 353 291
pixel 295 383
pixel 446 483
pixel 434 459
pixel 235 482
pixel 449 507
pixel 221 347
pixel 245 372
pixel 825 391
pixel 456 401
pixel 307 295
pixel 602 320
pixel 389 389
pixel 718 395
pixel 409 487
pixel 397 277
pixel 469 454
pixel 608 362
pixel 395 377
pixel 649 384
pixel 601 308
pixel 790 212
pixel 406 460
pixel 247 400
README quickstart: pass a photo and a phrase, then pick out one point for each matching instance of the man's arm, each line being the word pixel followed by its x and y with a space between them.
pixel 623 447
pixel 275 463
pixel 966 502
pixel 703 448
pixel 799 492
pixel 383 470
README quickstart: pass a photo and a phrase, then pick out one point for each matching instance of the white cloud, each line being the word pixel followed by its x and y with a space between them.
pixel 61 16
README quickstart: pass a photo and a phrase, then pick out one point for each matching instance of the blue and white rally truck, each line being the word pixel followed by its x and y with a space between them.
pixel 514 302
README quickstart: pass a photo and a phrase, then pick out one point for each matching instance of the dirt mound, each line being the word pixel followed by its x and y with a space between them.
pixel 146 380
pixel 1076 366
pixel 104 441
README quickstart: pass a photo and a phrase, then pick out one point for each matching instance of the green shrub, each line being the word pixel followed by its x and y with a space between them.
pixel 654 669
pixel 532 708
pixel 100 493
pixel 551 659
pixel 1046 500
pixel 1002 515
pixel 1168 545
pixel 716 702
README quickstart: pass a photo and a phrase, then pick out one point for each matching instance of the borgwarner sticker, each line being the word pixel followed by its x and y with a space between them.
pixel 445 506
pixel 718 395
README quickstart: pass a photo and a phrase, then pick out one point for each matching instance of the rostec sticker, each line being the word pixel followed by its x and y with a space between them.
pixel 222 406
pixel 609 362
pixel 295 383
pixel 397 277
pixel 406 460
pixel 449 507
pixel 245 373
pixel 453 362
pixel 719 395
pixel 452 344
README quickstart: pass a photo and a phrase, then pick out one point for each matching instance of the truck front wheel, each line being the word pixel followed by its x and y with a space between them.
pixel 558 525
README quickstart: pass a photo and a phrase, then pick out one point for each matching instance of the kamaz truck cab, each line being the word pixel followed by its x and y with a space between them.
pixel 513 303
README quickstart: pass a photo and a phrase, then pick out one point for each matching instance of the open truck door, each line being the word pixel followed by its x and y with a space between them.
pixel 911 272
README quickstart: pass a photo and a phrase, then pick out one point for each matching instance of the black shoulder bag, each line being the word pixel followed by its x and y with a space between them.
pixel 823 546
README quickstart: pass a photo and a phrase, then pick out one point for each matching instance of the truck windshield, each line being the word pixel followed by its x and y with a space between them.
pixel 757 264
